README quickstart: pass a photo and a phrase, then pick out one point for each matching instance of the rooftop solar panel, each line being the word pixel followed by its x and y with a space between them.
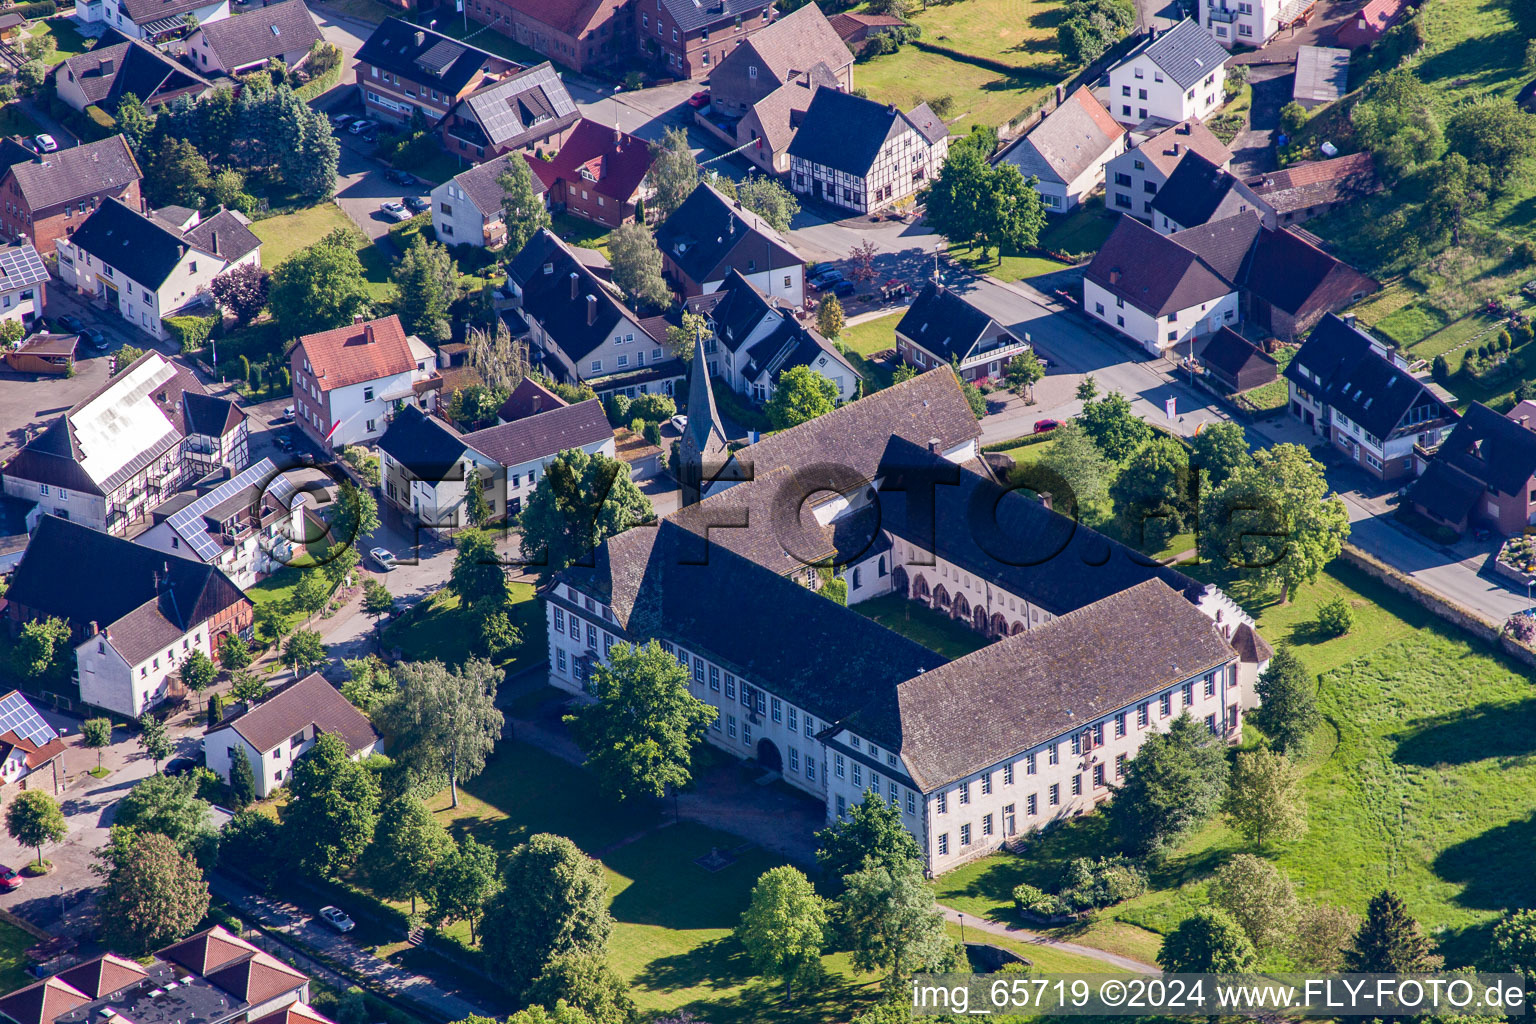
pixel 188 522
pixel 21 266
pixel 16 715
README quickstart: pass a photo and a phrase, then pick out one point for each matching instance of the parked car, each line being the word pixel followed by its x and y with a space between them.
pixel 340 120
pixel 699 99
pixel 283 442
pixel 826 280
pixel 843 289
pixel 71 323
pixel 399 177
pixel 383 558
pixel 419 204
pixel 92 338
pixel 10 881
pixel 1045 426
pixel 361 125
pixel 337 918
pixel 394 211
pixel 46 143
pixel 180 765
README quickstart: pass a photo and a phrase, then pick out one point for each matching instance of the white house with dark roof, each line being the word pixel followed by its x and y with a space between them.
pixel 23 283
pixel 524 111
pixel 103 75
pixel 863 156
pixel 231 46
pixel 1155 291
pixel 1068 150
pixel 1132 179
pixel 148 270
pixel 1200 191
pixel 248 525
pixel 276 733
pixel 466 209
pixel 152 21
pixel 941 328
pixel 709 236
pixel 1175 75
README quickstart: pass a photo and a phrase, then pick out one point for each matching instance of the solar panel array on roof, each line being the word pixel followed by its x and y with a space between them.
pixel 21 265
pixel 440 56
pixel 16 715
pixel 188 522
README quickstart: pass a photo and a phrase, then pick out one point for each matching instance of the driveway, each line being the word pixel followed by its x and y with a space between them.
pixel 1253 151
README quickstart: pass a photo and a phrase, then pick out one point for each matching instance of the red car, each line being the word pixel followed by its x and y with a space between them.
pixel 10 881
pixel 698 99
pixel 1045 426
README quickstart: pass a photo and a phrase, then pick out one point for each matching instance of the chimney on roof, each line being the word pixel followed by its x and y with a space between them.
pixel 933 445
pixel 1114 275
pixel 357 318
pixel 618 137
pixel 94 628
pixel 575 286
pixel 368 338
pixel 591 310
pixel 421 38
pixel 1175 149
pixel 891 109
pixel 538 400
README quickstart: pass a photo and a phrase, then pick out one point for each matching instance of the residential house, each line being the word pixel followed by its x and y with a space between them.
pixel 211 977
pixel 756 338
pixel 151 21
pixel 284 31
pixel 529 398
pixel 403 68
pixel 1370 23
pixel 581 34
pixel 134 614
pixel 101 76
pixel 684 39
pixel 248 524
pixel 23 283
pixel 1304 190
pixel 856 29
pixel 877 712
pixel 347 382
pixel 769 125
pixel 216 433
pixel 785 51
pixel 1235 362
pixel 1154 291
pixel 1357 394
pixel 1177 75
pixel 599 174
pixel 277 732
pixel 526 111
pixel 709 236
pixel 149 270
pixel 1252 22
pixel 1322 76
pixel 48 195
pixel 1200 191
pixel 1481 474
pixel 466 209
pixel 116 454
pixel 12 25
pixel 941 328
pixel 1132 179
pixel 579 330
pixel 864 156
pixel 1068 150
pixel 28 743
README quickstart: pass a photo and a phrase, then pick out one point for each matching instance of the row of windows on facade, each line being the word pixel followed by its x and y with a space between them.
pixel 170 655
pixel 410 88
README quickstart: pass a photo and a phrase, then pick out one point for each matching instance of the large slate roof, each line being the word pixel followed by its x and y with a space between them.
pixel 543 434
pixel 482 183
pixel 708 235
pixel 1186 53
pixel 547 297
pixel 1068 142
pixel 138 246
pixel 309 702
pixel 1194 190
pixel 1494 450
pixel 423 55
pixel 1355 379
pixel 522 106
pixel 423 444
pixel 262 32
pixel 69 174
pixel 692 15
pixel 845 132
pixel 943 323
pixel 1154 272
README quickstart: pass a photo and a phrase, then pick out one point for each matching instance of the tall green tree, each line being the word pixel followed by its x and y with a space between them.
pixel 800 396
pixel 176 174
pixel 1396 121
pixel 357 515
pixel 1111 425
pixel 133 121
pixel 1493 132
pixel 320 287
pixel 829 316
pixel 304 652
pixel 445 720
pixel 155 894
pixel 784 928
pixel 1151 494
pixel 34 819
pixel 955 204
pixel 872 831
pixel 1512 950
pixel 586 983
pixel 674 174
pixel 154 740
pixel 1260 898
pixel 637 265
pixel 1074 471
pixel 764 196
pixel 427 282
pixel 1287 711
pixel 477 577
pixel 43 651
pixel 242 780
pixel 1389 941
pixel 462 885
pixel 1264 800
pixel 1023 372
pixel 234 652
pixel 370 684
pixel 377 600
pixel 581 501
pixel 310 593
pixel 1277 520
pixel 892 922
pixel 198 672
pixel 1460 188
pixel 1323 932
pixel 522 208
pixel 332 805
pixel 640 733
pixel 553 901
pixel 96 733
pixel 253 843
pixel 1208 942
pixel 1173 785
pixel 170 806
pixel 1219 451
pixel 408 846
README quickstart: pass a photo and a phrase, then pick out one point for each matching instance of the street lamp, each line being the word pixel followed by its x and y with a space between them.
pixel 962 929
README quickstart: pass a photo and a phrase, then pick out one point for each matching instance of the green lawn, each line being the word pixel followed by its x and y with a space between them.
pixel 872 336
pixel 1420 780
pixel 1081 231
pixel 14 944
pixel 67 41
pixel 1007 268
pixel 576 231
pixel 978 95
pixel 276 589
pixel 445 632
pixel 938 633
pixel 1275 394
pixel 286 234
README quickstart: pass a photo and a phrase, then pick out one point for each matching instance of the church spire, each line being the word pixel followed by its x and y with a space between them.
pixel 703 444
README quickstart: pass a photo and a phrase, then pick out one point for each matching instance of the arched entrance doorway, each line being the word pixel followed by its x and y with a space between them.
pixel 768 755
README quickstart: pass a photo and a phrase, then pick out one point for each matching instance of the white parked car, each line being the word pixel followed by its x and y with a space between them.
pixel 337 918
pixel 383 558
pixel 46 143
pixel 395 211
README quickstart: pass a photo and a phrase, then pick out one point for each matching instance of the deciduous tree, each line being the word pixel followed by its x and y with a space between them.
pixel 1396 121
pixel 640 734
pixel 253 842
pixel 763 196
pixel 320 287
pixel 427 283
pixel 445 720
pixel 1208 942
pixel 170 806
pixel 43 650
pixel 310 593
pixel 242 292
pixel 1175 782
pixel 892 922
pixel 522 208
pixel 155 894
pixel 674 174
pixel 234 652
pixel 408 845
pixel 1264 801
pixel 553 901
pixel 1323 931
pixel 332 802
pixel 1074 471
pixel 1219 451
pixel 369 684
pixel 477 577
pixel 357 515
pixel 802 395
pixel 1151 494
pixel 153 739
pixel 784 928
pixel 304 651
pixel 637 265
pixel 34 819
pixel 872 830
pixel 1259 897
pixel 829 317
pixel 581 501
pixel 462 885
pixel 96 733
pixel 1024 372
pixel 1494 133
pixel 1111 424
pixel 586 983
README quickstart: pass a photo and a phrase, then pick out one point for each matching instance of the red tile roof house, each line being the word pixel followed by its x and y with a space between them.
pixel 44 197
pixel 1373 21
pixel 580 34
pixel 855 29
pixel 348 382
pixel 598 175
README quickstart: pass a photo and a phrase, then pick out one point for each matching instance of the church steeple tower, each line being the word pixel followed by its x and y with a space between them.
pixel 701 453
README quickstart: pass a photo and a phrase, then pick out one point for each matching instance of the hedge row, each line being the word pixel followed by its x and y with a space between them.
pixel 36 9
pixel 1018 442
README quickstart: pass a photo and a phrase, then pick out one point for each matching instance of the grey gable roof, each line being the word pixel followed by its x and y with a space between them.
pixel 425 56
pixel 845 132
pixel 1153 272
pixel 1492 449
pixel 1355 379
pixel 425 445
pixel 481 184
pixel 309 702
pixel 226 234
pixel 261 33
pixel 691 15
pixel 138 246
pixel 1067 143
pixel 71 174
pixel 543 434
pixel 1186 53
pixel 530 103
pixel 943 323
pixel 708 235
pixel 1195 189
pixel 547 297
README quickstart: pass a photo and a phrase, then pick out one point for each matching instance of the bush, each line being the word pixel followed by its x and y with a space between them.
pixel 191 331
pixel 1091 884
pixel 39 9
pixel 617 408
pixel 1522 628
pixel 1336 617
pixel 1440 369
pixel 1030 900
